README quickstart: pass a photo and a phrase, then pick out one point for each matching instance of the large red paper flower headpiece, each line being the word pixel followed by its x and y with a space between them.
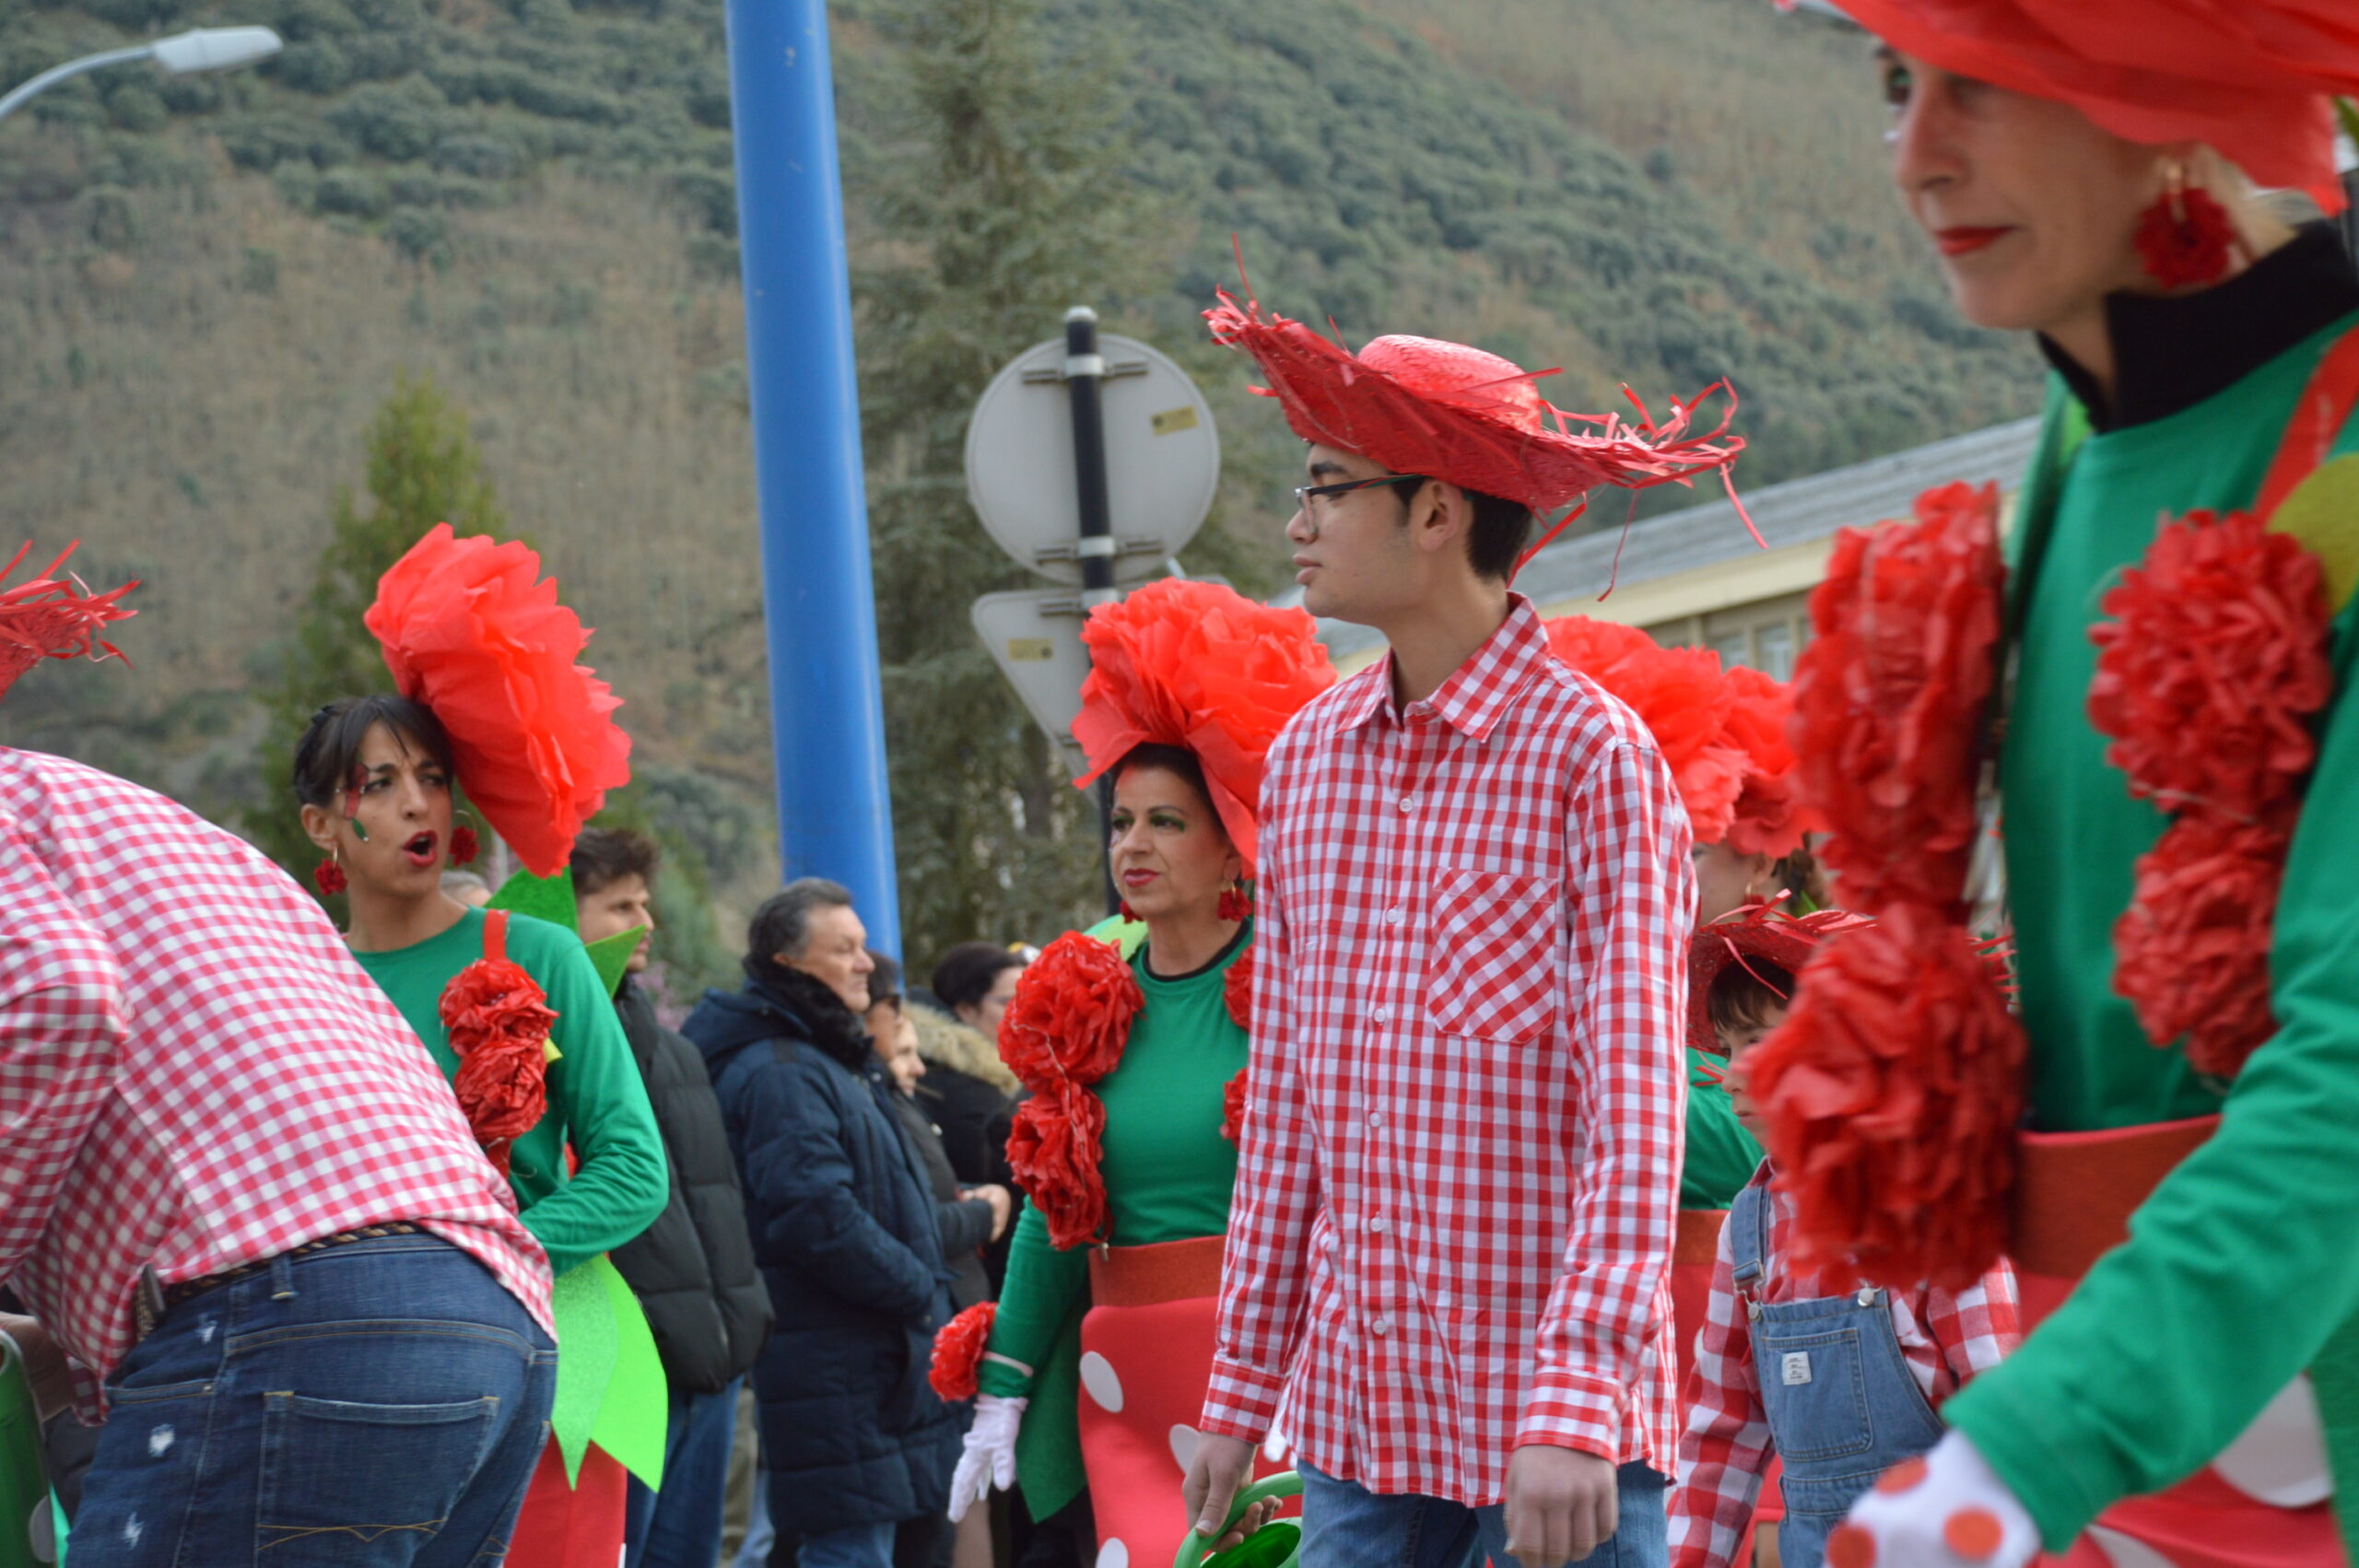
pixel 1420 405
pixel 471 629
pixel 1198 665
pixel 47 616
pixel 2252 78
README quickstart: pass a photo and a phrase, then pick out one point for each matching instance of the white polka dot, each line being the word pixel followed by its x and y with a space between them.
pixel 1184 1439
pixel 41 1531
pixel 2280 1459
pixel 1113 1554
pixel 2127 1552
pixel 1097 1378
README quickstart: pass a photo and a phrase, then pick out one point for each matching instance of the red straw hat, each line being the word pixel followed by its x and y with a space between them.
pixel 1761 932
pixel 2251 78
pixel 54 617
pixel 1201 666
pixel 1447 411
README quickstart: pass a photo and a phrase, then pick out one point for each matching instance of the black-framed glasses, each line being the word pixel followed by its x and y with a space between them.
pixel 1306 494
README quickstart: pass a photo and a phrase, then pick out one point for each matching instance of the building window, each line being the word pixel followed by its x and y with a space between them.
pixel 1773 649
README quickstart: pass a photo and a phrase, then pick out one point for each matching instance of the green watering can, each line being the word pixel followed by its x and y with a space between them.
pixel 26 1536
pixel 1277 1544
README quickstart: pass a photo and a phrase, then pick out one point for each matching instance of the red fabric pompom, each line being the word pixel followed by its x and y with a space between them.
pixel 1071 1014
pixel 959 1351
pixel 1053 1149
pixel 1682 698
pixel 1236 991
pixel 2212 666
pixel 499 1021
pixel 1232 1108
pixel 1891 700
pixel 2192 952
pixel 470 629
pixel 1199 666
pixel 2186 247
pixel 1890 1099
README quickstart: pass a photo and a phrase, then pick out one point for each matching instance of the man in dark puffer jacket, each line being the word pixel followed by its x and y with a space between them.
pixel 693 1269
pixel 844 1228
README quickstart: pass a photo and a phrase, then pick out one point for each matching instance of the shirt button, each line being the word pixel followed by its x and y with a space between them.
pixel 1375 1118
pixel 1379 1325
pixel 1382 1015
pixel 1405 803
pixel 1376 1226
pixel 1393 917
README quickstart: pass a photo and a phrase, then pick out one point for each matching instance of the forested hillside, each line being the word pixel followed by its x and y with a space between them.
pixel 207 287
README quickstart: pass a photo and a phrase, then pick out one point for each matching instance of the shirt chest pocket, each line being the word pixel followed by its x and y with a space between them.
pixel 1491 970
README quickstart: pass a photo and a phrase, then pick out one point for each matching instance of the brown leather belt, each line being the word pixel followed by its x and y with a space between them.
pixel 1145 1276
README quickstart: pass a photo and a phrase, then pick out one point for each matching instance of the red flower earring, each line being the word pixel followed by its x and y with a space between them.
pixel 1235 903
pixel 2185 238
pixel 328 875
pixel 463 848
pixel 1128 913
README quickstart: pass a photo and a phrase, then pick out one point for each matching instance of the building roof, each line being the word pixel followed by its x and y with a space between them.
pixel 1797 511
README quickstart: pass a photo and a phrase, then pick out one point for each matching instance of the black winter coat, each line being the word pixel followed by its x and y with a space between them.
pixel 966 1222
pixel 693 1269
pixel 845 1230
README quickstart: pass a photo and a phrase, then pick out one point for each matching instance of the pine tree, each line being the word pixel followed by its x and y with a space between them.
pixel 1007 206
pixel 424 468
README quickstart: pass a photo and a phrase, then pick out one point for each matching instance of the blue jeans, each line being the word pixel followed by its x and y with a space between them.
pixel 377 1405
pixel 679 1527
pixel 1346 1525
pixel 862 1546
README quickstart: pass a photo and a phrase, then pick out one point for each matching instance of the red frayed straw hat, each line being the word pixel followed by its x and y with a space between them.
pixel 1447 411
pixel 2254 79
pixel 51 617
pixel 1762 931
pixel 1201 666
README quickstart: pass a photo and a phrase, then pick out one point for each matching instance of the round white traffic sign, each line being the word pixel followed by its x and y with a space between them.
pixel 1162 459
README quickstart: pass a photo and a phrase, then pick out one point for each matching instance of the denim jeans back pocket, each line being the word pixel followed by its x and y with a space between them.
pixel 348 1485
pixel 1814 1390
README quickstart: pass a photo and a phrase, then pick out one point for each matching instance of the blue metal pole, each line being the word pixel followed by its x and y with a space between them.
pixel 826 708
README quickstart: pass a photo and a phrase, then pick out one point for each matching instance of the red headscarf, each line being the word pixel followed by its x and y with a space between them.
pixel 54 617
pixel 1201 666
pixel 2252 78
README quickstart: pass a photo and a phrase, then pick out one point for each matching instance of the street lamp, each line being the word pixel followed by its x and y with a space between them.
pixel 199 48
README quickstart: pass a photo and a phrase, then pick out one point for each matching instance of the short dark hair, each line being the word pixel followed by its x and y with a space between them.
pixel 968 970
pixel 1748 993
pixel 330 748
pixel 884 978
pixel 782 925
pixel 603 856
pixel 1176 760
pixel 1497 535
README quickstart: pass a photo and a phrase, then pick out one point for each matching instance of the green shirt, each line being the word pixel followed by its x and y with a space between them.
pixel 2244 1263
pixel 597 1100
pixel 1721 1154
pixel 1167 1173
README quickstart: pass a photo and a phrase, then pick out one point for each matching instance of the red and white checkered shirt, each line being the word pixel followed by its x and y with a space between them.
pixel 1946 1337
pixel 1452 1226
pixel 193 1072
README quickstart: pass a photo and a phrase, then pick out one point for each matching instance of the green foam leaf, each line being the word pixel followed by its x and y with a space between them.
pixel 2323 513
pixel 612 956
pixel 588 1346
pixel 546 898
pixel 1126 935
pixel 631 1420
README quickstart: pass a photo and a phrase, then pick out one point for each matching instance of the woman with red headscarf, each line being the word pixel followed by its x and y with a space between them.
pixel 2153 680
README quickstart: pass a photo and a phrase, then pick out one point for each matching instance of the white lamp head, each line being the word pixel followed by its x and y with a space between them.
pixel 215 49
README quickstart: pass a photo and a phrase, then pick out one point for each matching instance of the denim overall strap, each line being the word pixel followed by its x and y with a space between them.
pixel 1841 1401
pixel 1748 1233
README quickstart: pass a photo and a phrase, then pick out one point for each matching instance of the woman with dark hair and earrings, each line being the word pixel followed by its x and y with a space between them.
pixel 2148 688
pixel 1136 1061
pixel 511 1008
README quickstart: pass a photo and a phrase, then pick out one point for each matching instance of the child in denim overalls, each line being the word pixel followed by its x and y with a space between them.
pixel 1838 1380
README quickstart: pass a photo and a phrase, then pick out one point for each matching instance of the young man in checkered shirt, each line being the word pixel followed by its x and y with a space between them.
pixel 1447 1278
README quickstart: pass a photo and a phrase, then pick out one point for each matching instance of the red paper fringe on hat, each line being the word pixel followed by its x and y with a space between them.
pixel 1421 405
pixel 1064 1030
pixel 959 1351
pixel 1889 1098
pixel 470 629
pixel 1199 666
pixel 53 618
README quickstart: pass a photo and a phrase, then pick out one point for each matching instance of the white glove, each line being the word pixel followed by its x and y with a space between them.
pixel 988 1462
pixel 1947 1510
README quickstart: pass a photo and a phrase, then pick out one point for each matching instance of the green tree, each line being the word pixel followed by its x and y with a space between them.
pixel 424 468
pixel 1004 205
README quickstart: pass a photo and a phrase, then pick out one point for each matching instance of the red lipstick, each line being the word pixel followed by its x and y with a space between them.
pixel 1960 242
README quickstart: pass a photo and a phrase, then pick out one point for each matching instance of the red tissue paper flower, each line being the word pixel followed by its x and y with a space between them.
pixel 959 1351
pixel 1236 991
pixel 2192 952
pixel 1890 1099
pixel 1891 699
pixel 1053 1149
pixel 1683 698
pixel 1199 666
pixel 1232 1108
pixel 470 629
pixel 499 1021
pixel 2212 667
pixel 2189 246
pixel 1071 1014
pixel 1769 818
pixel 464 846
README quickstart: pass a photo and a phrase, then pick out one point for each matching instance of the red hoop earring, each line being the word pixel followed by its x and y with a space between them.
pixel 2185 239
pixel 328 875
